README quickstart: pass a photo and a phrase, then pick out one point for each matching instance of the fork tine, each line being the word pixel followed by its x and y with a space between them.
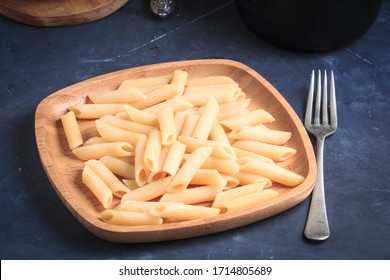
pixel 317 109
pixel 325 100
pixel 309 106
pixel 332 102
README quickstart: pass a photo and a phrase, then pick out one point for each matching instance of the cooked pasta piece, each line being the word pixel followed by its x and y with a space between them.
pixel 117 187
pixel 119 167
pixel 95 111
pixel 260 134
pixel 274 152
pixel 116 134
pixel 72 130
pixel 152 150
pixel 273 172
pixel 184 212
pixel 188 170
pixel 97 186
pixel 126 218
pixel 116 96
pixel 206 119
pixel 244 201
pixel 97 151
pixel 166 122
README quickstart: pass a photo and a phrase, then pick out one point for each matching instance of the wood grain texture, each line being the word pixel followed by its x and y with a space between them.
pixel 64 169
pixel 58 12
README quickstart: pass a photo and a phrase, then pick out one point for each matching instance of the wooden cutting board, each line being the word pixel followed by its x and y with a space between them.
pixel 58 12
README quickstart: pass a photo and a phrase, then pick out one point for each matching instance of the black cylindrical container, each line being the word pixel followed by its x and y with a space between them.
pixel 309 25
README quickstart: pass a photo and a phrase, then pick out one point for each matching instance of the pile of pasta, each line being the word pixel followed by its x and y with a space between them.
pixel 172 148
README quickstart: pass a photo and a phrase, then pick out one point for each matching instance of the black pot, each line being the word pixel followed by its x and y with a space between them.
pixel 309 25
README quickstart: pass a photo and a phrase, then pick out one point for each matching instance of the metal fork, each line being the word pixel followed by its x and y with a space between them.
pixel 321 125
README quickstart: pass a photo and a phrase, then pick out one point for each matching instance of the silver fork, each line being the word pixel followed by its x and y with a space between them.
pixel 321 125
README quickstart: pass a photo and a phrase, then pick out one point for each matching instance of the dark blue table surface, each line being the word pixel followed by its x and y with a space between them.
pixel 37 61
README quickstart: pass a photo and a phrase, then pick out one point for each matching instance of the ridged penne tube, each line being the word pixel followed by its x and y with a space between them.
pixel 119 167
pixel 193 195
pixel 126 124
pixel 207 177
pixel 177 104
pixel 180 118
pixel 122 115
pixel 72 130
pixel 219 149
pixel 254 117
pixel 117 187
pixel 96 185
pixel 95 111
pixel 206 119
pixel 156 96
pixel 141 173
pixel 261 134
pixel 138 206
pixel 97 151
pixel 167 126
pixel 275 173
pixel 153 176
pixel 245 201
pixel 245 153
pixel 233 108
pixel 179 80
pixel 140 116
pixel 222 165
pixel 238 191
pixel 199 98
pixel 183 212
pixel 149 191
pixel 274 152
pixel 116 96
pixel 116 134
pixel 146 82
pixel 210 80
pixel 126 218
pixel 230 182
pixel 174 158
pixel 152 150
pixel 246 178
pixel 131 184
pixel 95 140
pixel 187 171
pixel 217 133
pixel 189 124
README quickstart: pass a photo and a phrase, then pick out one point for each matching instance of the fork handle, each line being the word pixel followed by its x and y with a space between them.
pixel 317 227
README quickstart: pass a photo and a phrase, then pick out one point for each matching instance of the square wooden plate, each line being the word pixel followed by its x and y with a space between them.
pixel 64 169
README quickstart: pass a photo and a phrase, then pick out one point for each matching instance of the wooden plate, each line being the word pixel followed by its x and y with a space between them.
pixel 64 169
pixel 58 12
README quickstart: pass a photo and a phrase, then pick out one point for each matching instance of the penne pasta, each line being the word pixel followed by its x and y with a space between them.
pixel 160 173
pixel 188 170
pixel 152 150
pixel 254 117
pixel 177 105
pixel 95 111
pixel 131 184
pixel 189 124
pixel 141 173
pixel 124 95
pixel 179 119
pixel 72 130
pixel 139 206
pixel 230 182
pixel 239 191
pixel 180 211
pixel 245 153
pixel 126 218
pixel 126 124
pixel 207 177
pixel 260 134
pixel 167 126
pixel 233 108
pixel 273 172
pixel 246 178
pixel 179 80
pixel 244 201
pixel 274 152
pixel 222 165
pixel 117 188
pixel 219 149
pixel 97 151
pixel 140 116
pixel 146 82
pixel 193 195
pixel 210 80
pixel 174 158
pixel 95 140
pixel 156 96
pixel 149 191
pixel 116 134
pixel 217 133
pixel 206 120
pixel 119 167
pixel 97 186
